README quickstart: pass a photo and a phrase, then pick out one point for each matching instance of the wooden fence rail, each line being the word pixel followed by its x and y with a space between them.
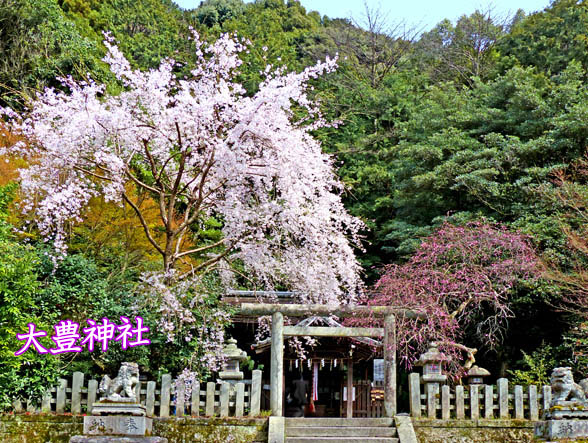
pixel 477 401
pixel 169 398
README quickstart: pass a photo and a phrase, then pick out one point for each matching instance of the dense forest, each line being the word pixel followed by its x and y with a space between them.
pixel 478 126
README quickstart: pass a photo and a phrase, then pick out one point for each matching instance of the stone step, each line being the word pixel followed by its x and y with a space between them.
pixel 331 422
pixel 341 439
pixel 340 431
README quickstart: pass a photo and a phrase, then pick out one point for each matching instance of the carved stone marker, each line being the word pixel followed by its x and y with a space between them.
pixel 567 416
pixel 118 415
pixel 118 425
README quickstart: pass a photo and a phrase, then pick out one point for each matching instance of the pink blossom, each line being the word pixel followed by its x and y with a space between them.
pixel 461 278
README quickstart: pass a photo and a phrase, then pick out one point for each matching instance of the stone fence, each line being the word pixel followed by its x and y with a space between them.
pixel 169 398
pixel 59 428
pixel 477 401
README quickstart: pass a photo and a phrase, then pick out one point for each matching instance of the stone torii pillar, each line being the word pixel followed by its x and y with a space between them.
pixel 390 366
pixel 277 364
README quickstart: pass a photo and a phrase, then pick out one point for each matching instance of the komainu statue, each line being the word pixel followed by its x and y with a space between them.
pixel 566 392
pixel 122 388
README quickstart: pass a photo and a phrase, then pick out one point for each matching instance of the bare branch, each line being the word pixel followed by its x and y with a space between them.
pixel 144 224
pixel 200 249
pixel 214 260
pixel 93 174
pixel 141 184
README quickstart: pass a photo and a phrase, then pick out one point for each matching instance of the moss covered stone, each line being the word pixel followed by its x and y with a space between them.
pixel 33 428
pixel 42 428
pixel 211 430
pixel 474 431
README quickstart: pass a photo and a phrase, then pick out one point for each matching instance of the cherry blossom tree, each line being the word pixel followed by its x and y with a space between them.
pixel 202 148
pixel 461 278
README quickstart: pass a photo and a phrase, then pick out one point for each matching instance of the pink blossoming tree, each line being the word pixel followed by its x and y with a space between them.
pixel 202 148
pixel 461 277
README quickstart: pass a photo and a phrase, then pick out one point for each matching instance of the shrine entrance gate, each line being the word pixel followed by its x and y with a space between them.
pixel 279 331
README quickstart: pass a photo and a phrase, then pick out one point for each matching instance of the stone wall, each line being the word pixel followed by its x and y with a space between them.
pixel 42 428
pixel 212 430
pixel 473 431
pixel 39 428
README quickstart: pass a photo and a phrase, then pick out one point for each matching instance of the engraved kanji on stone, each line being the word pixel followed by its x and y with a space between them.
pixel 130 425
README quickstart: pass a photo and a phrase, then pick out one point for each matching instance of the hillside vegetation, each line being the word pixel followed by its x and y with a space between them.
pixel 482 122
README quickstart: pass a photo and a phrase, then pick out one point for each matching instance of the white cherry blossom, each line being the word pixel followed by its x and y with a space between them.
pixel 202 147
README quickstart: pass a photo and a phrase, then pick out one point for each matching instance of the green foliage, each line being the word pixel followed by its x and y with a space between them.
pixel 414 155
pixel 483 150
pixel 365 145
pixel 215 12
pixel 38 44
pixel 276 30
pixel 147 30
pixel 460 53
pixel 21 302
pixel 576 342
pixel 550 39
pixel 6 197
pixel 537 367
pixel 250 364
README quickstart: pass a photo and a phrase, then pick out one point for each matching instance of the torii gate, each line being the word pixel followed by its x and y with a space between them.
pixel 279 331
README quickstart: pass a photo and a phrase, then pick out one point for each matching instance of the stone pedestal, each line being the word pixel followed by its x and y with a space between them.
pixel 106 407
pixel 562 429
pixel 118 416
pixel 567 417
pixel 566 414
pixel 121 422
pixel 563 423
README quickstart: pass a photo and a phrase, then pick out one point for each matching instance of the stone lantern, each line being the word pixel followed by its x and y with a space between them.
pixel 234 356
pixel 476 375
pixel 432 363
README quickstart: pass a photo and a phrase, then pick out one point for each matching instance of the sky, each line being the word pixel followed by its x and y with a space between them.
pixel 421 14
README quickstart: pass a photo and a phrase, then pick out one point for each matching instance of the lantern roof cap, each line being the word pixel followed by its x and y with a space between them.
pixel 476 371
pixel 432 355
pixel 232 352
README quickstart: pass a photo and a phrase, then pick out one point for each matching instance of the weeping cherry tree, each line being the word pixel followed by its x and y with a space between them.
pixel 201 147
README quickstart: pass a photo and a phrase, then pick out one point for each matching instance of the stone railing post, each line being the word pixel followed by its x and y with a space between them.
pixel 61 396
pixel 165 396
pixel 76 392
pixel 414 391
pixel 502 397
pixel 255 394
